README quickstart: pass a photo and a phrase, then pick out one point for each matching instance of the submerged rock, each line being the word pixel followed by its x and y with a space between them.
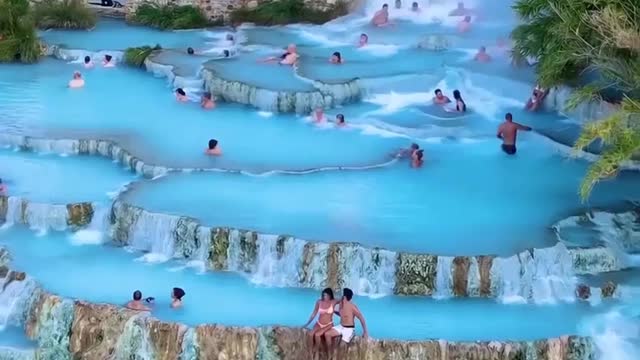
pixel 416 274
pixel 80 214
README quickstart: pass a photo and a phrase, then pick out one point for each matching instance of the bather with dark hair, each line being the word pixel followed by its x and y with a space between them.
pixel 213 148
pixel 324 309
pixel 176 297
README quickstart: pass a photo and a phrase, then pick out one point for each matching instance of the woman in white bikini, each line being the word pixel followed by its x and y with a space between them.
pixel 324 310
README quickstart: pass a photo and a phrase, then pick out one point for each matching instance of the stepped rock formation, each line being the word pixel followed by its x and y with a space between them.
pixel 44 216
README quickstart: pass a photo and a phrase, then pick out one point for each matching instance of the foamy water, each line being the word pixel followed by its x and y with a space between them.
pixel 87 237
pixel 616 336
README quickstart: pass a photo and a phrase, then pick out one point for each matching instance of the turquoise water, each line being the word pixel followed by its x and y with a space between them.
pixel 61 180
pixel 75 271
pixel 15 338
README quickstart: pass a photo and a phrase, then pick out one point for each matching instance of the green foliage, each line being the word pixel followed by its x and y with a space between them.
pixel 64 14
pixel 18 37
pixel 280 12
pixel 603 36
pixel 135 56
pixel 170 16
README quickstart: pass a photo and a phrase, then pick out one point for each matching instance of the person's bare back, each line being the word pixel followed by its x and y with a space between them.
pixel 508 132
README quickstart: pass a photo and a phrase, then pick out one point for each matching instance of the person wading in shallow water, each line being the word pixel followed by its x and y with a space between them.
pixel 346 329
pixel 508 131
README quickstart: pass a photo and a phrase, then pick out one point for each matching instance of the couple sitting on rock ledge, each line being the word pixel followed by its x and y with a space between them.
pixel 324 333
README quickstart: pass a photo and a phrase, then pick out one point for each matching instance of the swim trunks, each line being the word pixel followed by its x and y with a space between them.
pixel 509 149
pixel 345 332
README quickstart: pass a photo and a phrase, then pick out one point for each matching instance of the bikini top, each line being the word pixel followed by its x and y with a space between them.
pixel 328 310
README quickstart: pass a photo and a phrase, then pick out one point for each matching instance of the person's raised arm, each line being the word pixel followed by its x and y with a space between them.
pixel 313 314
pixel 523 127
pixel 360 317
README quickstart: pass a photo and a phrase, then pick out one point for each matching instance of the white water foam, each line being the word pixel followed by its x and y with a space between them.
pixel 616 336
pixel 370 272
pixel 13 300
pixel 154 233
pixel 94 233
pixel 444 282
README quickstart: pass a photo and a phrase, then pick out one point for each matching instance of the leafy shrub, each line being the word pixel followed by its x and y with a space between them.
pixel 169 16
pixel 281 12
pixel 18 37
pixel 135 56
pixel 64 14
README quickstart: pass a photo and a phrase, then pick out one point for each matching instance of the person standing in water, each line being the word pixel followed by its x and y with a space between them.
pixel 381 17
pixel 482 55
pixel 348 313
pixel 465 24
pixel 398 4
pixel 88 64
pixel 176 297
pixel 324 310
pixel 340 120
pixel 213 148
pixel 77 81
pixel 439 98
pixel 508 132
pixel 207 101
pixel 416 158
pixel 364 39
pixel 318 115
pixel 136 303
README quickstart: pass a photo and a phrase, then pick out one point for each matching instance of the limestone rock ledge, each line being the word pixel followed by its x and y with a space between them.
pixel 81 330
pixel 58 217
pixel 324 95
pixel 105 148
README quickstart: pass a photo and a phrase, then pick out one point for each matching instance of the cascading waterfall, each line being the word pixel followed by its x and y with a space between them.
pixel 278 261
pixel 154 233
pixel 94 233
pixel 40 217
pixel 14 300
pixel 544 276
pixel 444 282
pixel 368 271
pixel 134 341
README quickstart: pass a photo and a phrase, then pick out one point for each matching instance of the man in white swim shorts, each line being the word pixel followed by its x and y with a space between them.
pixel 346 329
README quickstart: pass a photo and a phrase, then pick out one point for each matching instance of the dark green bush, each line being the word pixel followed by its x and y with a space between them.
pixel 135 56
pixel 170 16
pixel 18 37
pixel 281 12
pixel 64 14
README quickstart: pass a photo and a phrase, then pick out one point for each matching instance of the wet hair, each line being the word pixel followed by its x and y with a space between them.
pixel 419 154
pixel 347 293
pixel 437 91
pixel 87 59
pixel 415 146
pixel 212 144
pixel 337 54
pixel 398 2
pixel 365 36
pixel 181 92
pixel 458 97
pixel 415 4
pixel 226 53
pixel 329 292
pixel 137 295
pixel 190 51
pixel 385 6
pixel 340 118
pixel 108 57
pixel 467 18
pixel 207 95
pixel 178 293
pixel 508 117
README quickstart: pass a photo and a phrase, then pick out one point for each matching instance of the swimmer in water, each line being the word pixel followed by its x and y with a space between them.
pixel 439 98
pixel 508 132
pixel 207 102
pixel 214 148
pixel 460 10
pixel 536 98
pixel 3 189
pixel 465 24
pixel 398 4
pixel 408 152
pixel 460 104
pixel 226 53
pixel 190 51
pixel 381 17
pixel 290 57
pixel 88 64
pixel 336 58
pixel 318 115
pixel 482 56
pixel 364 40
pixel 137 302
pixel 107 62
pixel 416 158
pixel 415 7
pixel 340 120
pixel 77 81
pixel 230 38
pixel 176 297
pixel 181 96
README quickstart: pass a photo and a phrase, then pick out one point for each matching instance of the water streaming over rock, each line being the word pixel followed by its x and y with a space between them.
pixel 444 281
pixel 37 216
pixel 134 341
pixel 368 271
pixel 14 298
